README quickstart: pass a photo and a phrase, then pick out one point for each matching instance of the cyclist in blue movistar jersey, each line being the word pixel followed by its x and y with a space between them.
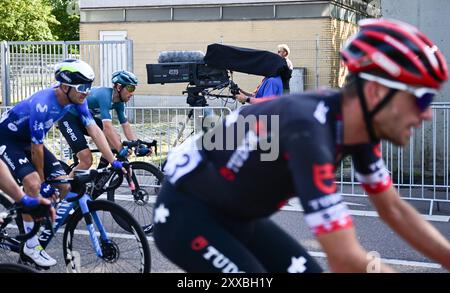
pixel 100 101
pixel 23 129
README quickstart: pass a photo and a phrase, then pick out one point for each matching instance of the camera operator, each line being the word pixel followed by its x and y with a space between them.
pixel 284 51
pixel 268 87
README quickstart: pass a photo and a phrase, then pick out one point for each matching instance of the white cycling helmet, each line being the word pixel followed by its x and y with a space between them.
pixel 74 72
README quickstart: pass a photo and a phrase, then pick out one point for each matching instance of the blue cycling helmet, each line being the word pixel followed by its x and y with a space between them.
pixel 124 77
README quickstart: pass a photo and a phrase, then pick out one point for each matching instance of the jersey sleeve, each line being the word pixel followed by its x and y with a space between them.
pixel 120 110
pixel 370 169
pixel 84 114
pixel 308 148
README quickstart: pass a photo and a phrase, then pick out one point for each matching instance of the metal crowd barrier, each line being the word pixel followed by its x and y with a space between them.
pixel 420 170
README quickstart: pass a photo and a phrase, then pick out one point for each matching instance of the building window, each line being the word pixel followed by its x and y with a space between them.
pixel 344 14
pixel 341 10
pixel 197 13
pixel 248 12
pixel 303 10
pixel 111 15
pixel 152 14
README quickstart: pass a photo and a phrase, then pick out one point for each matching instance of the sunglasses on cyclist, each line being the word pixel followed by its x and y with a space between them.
pixel 424 96
pixel 81 88
pixel 130 88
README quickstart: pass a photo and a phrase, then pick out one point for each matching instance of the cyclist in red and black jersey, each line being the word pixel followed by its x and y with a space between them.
pixel 212 214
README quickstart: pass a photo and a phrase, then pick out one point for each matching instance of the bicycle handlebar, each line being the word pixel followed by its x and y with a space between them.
pixel 81 177
pixel 78 182
pixel 138 142
pixel 134 143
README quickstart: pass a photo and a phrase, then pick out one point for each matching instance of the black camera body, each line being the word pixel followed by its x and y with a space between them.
pixel 195 73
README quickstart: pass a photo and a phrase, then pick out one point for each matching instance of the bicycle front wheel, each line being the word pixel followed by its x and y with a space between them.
pixel 147 180
pixel 9 247
pixel 125 251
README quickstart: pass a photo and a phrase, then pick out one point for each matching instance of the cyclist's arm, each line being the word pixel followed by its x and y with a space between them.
pixel 128 131
pixel 95 132
pixel 112 135
pixel 398 214
pixel 8 184
pixel 100 141
pixel 129 134
pixel 10 187
pixel 247 93
pixel 308 148
pixel 410 225
pixel 345 254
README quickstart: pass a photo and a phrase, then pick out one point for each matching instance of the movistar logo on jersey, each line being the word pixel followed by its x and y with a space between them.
pixel 23 161
pixel 41 108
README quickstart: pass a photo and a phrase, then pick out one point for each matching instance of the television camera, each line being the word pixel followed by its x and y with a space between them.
pixel 188 66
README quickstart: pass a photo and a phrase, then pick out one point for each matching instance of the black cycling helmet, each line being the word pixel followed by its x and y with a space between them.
pixel 124 77
pixel 74 72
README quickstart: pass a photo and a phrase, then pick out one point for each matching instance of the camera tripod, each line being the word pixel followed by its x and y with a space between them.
pixel 197 98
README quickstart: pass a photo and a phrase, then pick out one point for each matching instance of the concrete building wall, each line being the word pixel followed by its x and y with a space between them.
pixel 339 34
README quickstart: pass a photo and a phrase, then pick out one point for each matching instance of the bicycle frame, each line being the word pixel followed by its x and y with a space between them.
pixel 105 180
pixel 133 184
pixel 64 210
pixel 13 245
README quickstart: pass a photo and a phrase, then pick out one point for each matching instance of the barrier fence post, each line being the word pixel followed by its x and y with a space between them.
pixel 5 74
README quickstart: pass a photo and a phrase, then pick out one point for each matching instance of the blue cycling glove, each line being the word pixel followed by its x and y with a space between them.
pixel 116 164
pixel 47 190
pixel 29 201
pixel 33 207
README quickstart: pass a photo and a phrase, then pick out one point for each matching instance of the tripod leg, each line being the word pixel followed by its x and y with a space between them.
pixel 189 116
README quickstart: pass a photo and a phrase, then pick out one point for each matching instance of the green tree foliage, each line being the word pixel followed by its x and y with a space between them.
pixel 68 15
pixel 26 20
